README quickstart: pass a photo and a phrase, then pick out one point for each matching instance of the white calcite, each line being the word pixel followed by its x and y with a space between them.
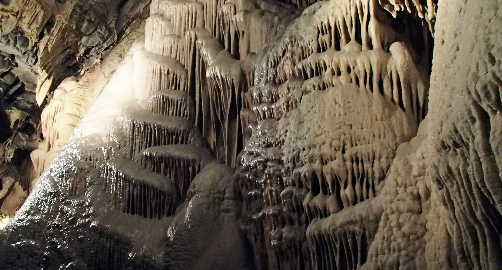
pixel 172 103
pixel 146 129
pixel 249 134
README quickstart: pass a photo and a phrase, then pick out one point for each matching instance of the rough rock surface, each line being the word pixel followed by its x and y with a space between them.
pixel 250 134
pixel 42 43
pixel 465 137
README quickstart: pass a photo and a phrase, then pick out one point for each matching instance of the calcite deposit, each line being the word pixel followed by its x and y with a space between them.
pixel 251 134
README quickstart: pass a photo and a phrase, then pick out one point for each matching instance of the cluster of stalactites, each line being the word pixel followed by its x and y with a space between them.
pixel 225 85
pixel 274 101
pixel 202 37
pixel 425 10
pixel 216 85
pixel 176 18
pixel 138 192
pixel 344 249
pixel 391 75
pixel 154 72
pixel 60 116
pixel 181 163
pixel 145 129
pixel 339 61
pixel 207 38
pixel 57 115
pixel 160 38
pixel 339 26
pixel 172 103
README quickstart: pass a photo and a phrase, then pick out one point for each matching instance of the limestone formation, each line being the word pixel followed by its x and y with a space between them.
pixel 44 44
pixel 251 134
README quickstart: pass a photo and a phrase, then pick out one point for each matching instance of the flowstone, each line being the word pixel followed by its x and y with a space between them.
pixel 252 134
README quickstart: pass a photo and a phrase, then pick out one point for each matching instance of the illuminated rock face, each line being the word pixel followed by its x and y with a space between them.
pixel 42 44
pixel 348 134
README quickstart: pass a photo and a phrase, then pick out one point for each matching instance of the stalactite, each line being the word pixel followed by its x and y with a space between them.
pixel 346 47
pixel 98 154
pixel 122 176
pixel 224 80
pixel 317 95
pixel 146 129
pixel 154 72
pixel 180 162
pixel 172 103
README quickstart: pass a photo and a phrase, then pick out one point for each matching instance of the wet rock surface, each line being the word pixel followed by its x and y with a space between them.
pixel 222 134
pixel 41 44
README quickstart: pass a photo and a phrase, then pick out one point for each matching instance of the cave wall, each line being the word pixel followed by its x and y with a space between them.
pixel 465 162
pixel 43 43
pixel 348 134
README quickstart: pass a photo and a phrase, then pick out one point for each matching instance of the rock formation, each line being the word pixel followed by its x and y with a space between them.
pixel 42 44
pixel 252 134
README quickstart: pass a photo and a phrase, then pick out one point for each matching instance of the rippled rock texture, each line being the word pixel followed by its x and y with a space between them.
pixel 249 134
pixel 42 42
